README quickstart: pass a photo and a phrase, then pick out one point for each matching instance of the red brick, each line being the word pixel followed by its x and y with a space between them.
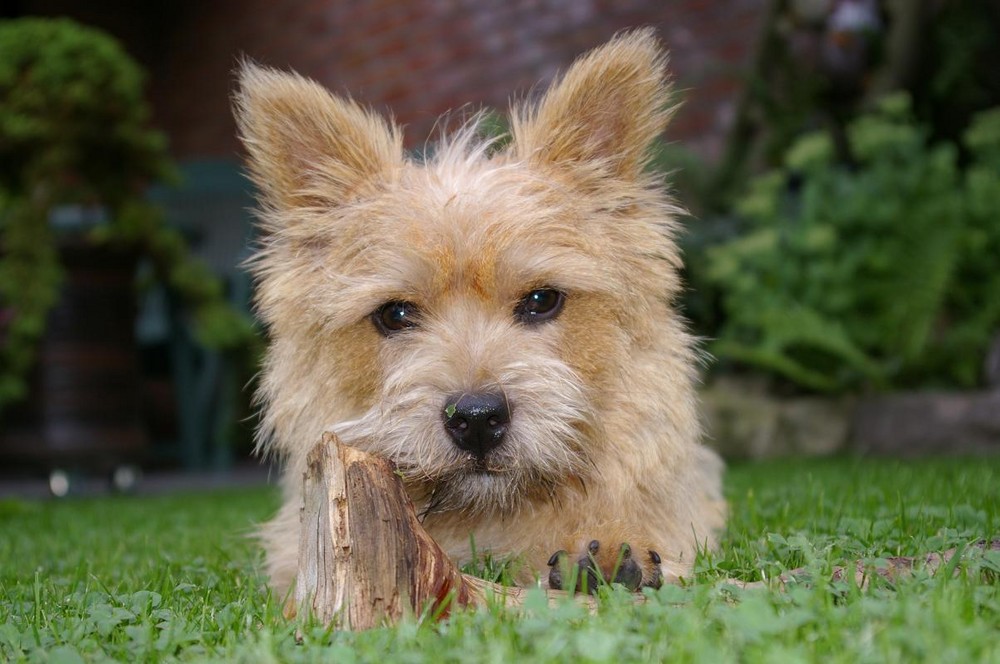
pixel 420 56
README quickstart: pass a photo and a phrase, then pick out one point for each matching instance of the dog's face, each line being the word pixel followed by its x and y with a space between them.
pixel 490 312
pixel 473 317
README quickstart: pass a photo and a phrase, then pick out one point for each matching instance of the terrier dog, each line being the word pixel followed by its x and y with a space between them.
pixel 496 319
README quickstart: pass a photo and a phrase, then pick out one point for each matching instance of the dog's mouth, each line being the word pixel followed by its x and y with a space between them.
pixel 486 492
pixel 483 466
pixel 481 484
pixel 463 470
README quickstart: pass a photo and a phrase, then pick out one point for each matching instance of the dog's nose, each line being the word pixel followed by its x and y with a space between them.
pixel 477 422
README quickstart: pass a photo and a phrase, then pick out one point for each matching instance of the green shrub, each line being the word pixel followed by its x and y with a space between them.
pixel 74 129
pixel 881 274
pixel 73 107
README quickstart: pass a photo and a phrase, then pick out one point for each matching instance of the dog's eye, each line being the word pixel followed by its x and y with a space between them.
pixel 394 316
pixel 539 306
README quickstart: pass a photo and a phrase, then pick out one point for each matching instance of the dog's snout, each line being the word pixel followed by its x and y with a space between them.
pixel 477 423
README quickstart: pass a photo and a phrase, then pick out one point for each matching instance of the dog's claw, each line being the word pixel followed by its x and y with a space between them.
pixel 629 573
pixel 656 580
pixel 555 571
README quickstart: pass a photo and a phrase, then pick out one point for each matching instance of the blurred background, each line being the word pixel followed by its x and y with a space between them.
pixel 840 160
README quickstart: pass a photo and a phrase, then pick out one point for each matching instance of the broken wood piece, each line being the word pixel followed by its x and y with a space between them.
pixel 364 557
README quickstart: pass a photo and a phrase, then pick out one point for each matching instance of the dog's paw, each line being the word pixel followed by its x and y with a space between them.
pixel 601 565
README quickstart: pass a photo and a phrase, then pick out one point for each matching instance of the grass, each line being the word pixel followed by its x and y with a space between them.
pixel 175 578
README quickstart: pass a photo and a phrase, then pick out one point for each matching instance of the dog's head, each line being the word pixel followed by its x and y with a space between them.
pixel 472 316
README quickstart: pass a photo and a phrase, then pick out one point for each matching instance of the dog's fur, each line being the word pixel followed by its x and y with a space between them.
pixel 603 442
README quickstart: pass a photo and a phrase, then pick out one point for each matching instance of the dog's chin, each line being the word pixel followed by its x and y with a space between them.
pixel 485 486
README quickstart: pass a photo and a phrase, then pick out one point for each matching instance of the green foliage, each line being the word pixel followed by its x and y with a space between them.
pixel 74 115
pixel 74 130
pixel 217 325
pixel 29 277
pixel 882 274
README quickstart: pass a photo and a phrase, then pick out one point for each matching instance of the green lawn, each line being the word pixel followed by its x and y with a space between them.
pixel 174 578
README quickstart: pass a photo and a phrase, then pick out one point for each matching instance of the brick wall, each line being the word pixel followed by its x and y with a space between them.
pixel 419 58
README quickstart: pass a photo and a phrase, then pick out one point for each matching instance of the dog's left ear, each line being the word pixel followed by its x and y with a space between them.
pixel 604 112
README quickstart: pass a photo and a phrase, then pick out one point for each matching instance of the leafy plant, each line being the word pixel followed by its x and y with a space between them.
pixel 879 275
pixel 74 130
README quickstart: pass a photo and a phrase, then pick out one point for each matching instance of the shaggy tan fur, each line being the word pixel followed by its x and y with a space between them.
pixel 604 436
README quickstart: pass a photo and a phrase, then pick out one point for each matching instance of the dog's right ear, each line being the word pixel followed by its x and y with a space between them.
pixel 601 117
pixel 307 147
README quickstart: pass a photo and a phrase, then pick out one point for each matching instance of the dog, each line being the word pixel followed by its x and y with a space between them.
pixel 497 319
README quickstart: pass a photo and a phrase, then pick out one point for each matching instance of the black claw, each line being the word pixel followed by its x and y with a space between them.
pixel 656 580
pixel 629 574
pixel 555 579
pixel 589 578
pixel 555 573
pixel 593 547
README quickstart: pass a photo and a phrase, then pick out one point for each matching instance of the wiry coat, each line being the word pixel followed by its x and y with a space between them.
pixel 604 435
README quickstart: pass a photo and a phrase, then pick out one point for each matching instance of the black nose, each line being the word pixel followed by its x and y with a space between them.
pixel 477 422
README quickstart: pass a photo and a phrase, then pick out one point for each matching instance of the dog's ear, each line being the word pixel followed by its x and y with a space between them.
pixel 604 112
pixel 306 146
